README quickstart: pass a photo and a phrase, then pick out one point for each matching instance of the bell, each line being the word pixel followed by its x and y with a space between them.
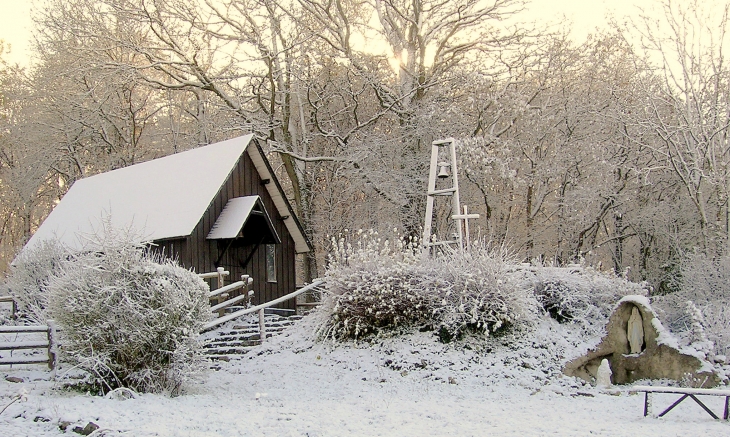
pixel 443 170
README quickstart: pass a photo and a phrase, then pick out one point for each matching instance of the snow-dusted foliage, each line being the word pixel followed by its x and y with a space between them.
pixel 129 317
pixel 697 336
pixel 705 282
pixel 578 294
pixel 472 290
pixel 375 285
pixel 29 276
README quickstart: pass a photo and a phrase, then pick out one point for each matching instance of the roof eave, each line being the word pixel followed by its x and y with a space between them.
pixel 284 207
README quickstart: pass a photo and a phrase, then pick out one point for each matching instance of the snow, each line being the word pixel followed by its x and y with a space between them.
pixel 234 215
pixel 410 385
pixel 161 198
pixel 638 300
pixel 663 335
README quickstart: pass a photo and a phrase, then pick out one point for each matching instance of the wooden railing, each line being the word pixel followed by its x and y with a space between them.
pixel 260 309
pixel 10 300
pixel 220 296
pixel 50 344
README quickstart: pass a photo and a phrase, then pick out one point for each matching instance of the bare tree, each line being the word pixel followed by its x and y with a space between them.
pixel 686 110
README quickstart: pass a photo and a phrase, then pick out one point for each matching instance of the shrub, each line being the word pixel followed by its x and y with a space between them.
pixel 129 317
pixel 375 286
pixel 473 292
pixel 372 285
pixel 705 282
pixel 30 273
pixel 579 294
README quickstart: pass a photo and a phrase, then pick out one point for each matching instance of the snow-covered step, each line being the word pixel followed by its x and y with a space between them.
pixel 249 331
pixel 233 342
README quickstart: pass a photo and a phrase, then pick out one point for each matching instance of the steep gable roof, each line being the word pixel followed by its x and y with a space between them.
pixel 163 198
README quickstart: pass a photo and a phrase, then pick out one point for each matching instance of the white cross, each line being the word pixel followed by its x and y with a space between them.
pixel 466 216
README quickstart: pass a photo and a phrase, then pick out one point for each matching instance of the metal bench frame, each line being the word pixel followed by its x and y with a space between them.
pixel 686 393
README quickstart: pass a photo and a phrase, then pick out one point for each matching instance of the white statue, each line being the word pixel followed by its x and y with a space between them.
pixel 603 375
pixel 635 331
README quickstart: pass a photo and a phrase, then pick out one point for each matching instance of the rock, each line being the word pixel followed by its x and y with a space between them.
pixel 88 429
pixel 659 358
pixel 64 425
pixel 13 379
pixel 41 419
pixel 453 380
pixel 720 359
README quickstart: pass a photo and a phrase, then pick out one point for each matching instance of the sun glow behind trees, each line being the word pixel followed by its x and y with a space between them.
pixel 563 166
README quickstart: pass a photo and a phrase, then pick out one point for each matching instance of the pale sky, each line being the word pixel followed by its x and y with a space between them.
pixel 15 28
pixel 586 15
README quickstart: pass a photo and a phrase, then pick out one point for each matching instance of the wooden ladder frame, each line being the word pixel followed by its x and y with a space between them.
pixel 456 213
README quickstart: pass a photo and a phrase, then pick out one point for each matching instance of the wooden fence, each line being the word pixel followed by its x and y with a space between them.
pixel 260 310
pixel 11 301
pixel 50 344
pixel 225 296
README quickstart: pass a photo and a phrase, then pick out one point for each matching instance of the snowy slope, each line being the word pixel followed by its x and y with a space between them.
pixel 406 386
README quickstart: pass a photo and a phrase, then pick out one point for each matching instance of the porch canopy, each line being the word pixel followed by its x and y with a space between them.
pixel 245 218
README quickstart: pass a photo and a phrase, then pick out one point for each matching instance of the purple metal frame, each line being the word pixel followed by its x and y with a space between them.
pixel 685 396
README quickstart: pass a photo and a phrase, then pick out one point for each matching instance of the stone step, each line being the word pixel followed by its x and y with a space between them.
pixel 233 338
pixel 256 326
pixel 223 357
pixel 249 331
pixel 239 337
pixel 232 349
pixel 235 342
pixel 273 323
pixel 244 345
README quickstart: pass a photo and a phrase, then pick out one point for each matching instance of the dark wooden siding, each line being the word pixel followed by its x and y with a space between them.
pixel 200 254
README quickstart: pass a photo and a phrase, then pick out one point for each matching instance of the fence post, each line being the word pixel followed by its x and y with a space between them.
pixel 262 326
pixel 221 297
pixel 246 283
pixel 52 346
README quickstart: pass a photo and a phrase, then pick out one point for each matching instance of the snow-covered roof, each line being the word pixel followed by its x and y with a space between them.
pixel 161 199
pixel 232 218
pixel 235 214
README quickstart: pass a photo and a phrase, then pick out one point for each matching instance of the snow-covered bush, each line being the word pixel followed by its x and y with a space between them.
pixel 372 284
pixel 472 291
pixel 697 336
pixel 578 294
pixel 706 283
pixel 375 285
pixel 129 317
pixel 29 276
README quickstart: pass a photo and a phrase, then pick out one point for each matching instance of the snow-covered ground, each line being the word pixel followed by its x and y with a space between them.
pixel 405 386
